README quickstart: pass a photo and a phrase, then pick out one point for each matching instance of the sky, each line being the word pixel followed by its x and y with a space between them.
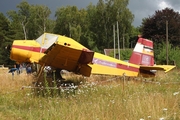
pixel 140 8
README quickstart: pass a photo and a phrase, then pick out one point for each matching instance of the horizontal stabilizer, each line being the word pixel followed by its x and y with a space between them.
pixel 165 68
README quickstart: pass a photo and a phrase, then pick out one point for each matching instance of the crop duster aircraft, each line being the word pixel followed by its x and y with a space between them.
pixel 61 52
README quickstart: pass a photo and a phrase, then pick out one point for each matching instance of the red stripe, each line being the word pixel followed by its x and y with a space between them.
pixel 126 67
pixel 95 60
pixel 114 65
pixel 146 42
pixel 30 48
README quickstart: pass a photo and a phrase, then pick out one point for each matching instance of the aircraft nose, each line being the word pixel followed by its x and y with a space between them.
pixel 19 52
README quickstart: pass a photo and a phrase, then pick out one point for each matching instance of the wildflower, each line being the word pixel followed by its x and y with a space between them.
pixel 141 119
pixel 62 90
pixel 149 117
pixel 165 109
pixel 175 93
pixel 161 118
pixel 112 101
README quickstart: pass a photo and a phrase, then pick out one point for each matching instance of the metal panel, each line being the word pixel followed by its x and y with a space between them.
pixel 67 58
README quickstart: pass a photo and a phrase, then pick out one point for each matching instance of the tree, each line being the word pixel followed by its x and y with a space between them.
pixel 4 27
pixel 42 14
pixel 93 27
pixel 106 15
pixel 70 21
pixel 154 27
pixel 4 40
pixel 30 20
pixel 21 17
pixel 134 32
pixel 40 22
pixel 87 39
pixel 24 14
pixel 15 26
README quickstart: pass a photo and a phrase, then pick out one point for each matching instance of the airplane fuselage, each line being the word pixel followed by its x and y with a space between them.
pixel 34 50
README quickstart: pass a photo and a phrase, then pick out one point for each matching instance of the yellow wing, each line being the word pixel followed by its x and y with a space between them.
pixel 67 58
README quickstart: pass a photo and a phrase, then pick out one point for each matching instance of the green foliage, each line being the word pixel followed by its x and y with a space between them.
pixel 134 32
pixel 97 21
pixel 69 21
pixel 173 55
pixel 125 54
pixel 30 21
pixel 106 14
pixel 5 39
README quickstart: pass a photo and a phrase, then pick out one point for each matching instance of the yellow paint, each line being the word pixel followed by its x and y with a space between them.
pixel 30 56
pixel 21 55
pixel 100 69
pixel 73 43
pixel 151 53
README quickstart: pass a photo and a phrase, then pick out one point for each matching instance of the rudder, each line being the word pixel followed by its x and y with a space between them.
pixel 143 53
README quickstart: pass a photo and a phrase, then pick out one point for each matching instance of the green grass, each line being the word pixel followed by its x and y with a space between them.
pixel 107 100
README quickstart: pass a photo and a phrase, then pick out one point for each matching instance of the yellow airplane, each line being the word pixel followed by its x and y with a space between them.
pixel 61 52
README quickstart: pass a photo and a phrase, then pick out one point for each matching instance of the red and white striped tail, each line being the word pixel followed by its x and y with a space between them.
pixel 143 53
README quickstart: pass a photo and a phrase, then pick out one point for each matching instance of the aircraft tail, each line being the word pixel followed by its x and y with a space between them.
pixel 143 53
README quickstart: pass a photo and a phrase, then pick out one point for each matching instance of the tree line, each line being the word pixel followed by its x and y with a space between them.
pixel 91 26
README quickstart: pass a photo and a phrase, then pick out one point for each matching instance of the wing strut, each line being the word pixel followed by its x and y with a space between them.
pixel 40 72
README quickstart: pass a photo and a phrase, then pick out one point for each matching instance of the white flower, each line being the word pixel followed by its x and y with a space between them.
pixel 62 90
pixel 112 101
pixel 175 93
pixel 161 118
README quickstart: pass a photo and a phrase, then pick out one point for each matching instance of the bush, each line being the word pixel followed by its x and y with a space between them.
pixel 125 54
pixel 173 54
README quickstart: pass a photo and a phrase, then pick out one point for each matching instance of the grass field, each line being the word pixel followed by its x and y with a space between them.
pixel 99 98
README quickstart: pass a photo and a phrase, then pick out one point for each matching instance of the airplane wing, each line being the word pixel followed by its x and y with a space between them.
pixel 166 68
pixel 64 57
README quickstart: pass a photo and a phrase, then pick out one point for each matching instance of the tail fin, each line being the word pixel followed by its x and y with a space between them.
pixel 143 53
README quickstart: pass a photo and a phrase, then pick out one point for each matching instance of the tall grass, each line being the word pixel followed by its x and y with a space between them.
pixel 99 98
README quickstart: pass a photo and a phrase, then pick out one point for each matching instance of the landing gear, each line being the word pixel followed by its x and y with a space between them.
pixel 50 81
pixel 49 75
